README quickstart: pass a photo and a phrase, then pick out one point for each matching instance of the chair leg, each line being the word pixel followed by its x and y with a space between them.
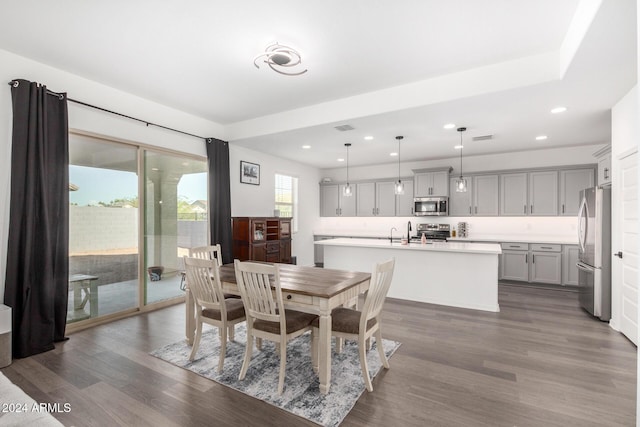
pixel 196 341
pixel 259 343
pixel 339 344
pixel 363 362
pixel 314 348
pixel 232 330
pixel 283 363
pixel 247 354
pixel 383 357
pixel 223 348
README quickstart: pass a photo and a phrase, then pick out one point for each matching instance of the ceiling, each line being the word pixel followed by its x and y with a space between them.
pixel 385 68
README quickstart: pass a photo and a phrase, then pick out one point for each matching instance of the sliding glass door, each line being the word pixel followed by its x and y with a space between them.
pixel 113 207
pixel 175 219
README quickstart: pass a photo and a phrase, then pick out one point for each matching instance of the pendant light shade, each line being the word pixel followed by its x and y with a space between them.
pixel 347 191
pixel 399 187
pixel 461 183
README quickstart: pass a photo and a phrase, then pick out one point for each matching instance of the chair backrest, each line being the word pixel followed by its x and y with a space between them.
pixel 207 252
pixel 255 282
pixel 378 289
pixel 203 277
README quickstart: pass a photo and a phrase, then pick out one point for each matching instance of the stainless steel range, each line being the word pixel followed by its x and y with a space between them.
pixel 433 232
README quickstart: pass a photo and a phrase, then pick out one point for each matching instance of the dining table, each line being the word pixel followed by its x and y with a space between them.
pixel 308 289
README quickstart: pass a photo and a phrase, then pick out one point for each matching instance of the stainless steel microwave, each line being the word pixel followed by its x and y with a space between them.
pixel 431 206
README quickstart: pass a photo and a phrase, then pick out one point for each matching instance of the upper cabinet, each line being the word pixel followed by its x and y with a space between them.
pixel 334 203
pixel 529 193
pixel 431 182
pixel 376 199
pixel 461 204
pixel 572 181
pixel 485 195
pixel 404 202
pixel 604 165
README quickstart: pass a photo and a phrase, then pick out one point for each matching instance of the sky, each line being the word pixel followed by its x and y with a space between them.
pixel 104 185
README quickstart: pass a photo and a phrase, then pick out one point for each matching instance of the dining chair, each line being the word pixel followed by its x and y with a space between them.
pixel 351 324
pixel 212 308
pixel 211 252
pixel 259 286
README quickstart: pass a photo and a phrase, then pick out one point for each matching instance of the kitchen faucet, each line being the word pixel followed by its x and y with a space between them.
pixel 391 234
pixel 409 232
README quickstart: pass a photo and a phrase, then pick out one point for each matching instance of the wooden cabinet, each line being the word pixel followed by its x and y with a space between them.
pixel 431 182
pixel 529 193
pixel 262 239
pixel 334 203
pixel 572 181
pixel 570 255
pixel 604 165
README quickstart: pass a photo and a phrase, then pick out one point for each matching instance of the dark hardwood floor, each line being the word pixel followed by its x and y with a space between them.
pixel 541 361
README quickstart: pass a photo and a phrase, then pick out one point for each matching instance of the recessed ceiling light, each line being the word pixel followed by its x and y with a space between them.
pixel 155 169
pixel 541 137
pixel 185 163
pixel 368 138
pixel 559 110
pixel 306 147
pixel 449 126
pixel 459 147
pixel 341 160
pixel 393 154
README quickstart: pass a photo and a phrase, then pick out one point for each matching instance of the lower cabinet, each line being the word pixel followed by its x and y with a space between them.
pixel 570 255
pixel 533 262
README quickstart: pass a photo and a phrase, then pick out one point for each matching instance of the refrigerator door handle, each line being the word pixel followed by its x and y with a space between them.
pixel 585 267
pixel 581 213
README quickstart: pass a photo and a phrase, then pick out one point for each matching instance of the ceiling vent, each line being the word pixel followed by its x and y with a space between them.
pixel 482 138
pixel 343 128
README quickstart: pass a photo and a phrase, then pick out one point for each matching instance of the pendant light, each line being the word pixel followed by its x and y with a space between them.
pixel 461 183
pixel 347 191
pixel 399 187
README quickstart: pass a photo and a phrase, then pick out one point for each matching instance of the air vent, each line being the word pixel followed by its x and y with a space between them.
pixel 482 138
pixel 343 128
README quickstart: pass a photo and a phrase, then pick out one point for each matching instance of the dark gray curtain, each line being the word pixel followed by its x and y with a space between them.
pixel 36 286
pixel 220 196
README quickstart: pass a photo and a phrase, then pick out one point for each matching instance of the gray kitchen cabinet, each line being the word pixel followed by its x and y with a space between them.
pixel 513 194
pixel 334 203
pixel 572 181
pixel 543 193
pixel 545 267
pixel 460 204
pixel 376 198
pixel 435 183
pixel 570 255
pixel 604 165
pixel 514 264
pixel 529 193
pixel 485 195
pixel 404 202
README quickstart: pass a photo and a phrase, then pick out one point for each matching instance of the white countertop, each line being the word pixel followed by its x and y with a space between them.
pixel 462 247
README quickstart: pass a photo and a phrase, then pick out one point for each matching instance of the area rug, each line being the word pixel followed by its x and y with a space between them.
pixel 301 394
pixel 18 409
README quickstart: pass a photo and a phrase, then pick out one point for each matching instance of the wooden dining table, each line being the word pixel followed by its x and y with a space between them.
pixel 307 289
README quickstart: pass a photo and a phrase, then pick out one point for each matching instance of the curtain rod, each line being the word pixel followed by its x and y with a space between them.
pixel 15 83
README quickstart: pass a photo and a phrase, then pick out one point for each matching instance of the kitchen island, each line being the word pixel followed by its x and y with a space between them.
pixel 457 274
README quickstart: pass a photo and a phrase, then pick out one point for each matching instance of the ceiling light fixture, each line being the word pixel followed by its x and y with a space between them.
pixel 461 183
pixel 458 147
pixel 558 110
pixel 341 159
pixel 368 138
pixel 347 191
pixel 449 126
pixel 399 187
pixel 282 57
pixel 541 137
pixel 393 154
pixel 306 147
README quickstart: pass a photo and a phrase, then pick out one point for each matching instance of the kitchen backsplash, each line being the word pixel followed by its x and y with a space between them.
pixel 476 226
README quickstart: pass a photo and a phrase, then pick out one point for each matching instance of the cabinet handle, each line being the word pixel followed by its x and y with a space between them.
pixel 412 212
pixel 546 247
pixel 563 208
pixel 526 258
pixel 606 173
pixel 533 258
pixel 531 209
pixel 469 210
pixel 337 211
pixel 476 209
pixel 525 209
pixel 373 211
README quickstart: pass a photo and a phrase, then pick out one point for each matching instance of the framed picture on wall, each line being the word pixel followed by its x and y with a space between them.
pixel 249 173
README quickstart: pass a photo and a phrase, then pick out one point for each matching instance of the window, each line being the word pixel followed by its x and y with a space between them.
pixel 287 198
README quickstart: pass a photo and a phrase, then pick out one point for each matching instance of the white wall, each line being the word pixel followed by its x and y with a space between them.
pixel 625 134
pixel 259 200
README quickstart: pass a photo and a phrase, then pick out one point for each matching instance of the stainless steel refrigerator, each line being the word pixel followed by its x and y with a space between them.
pixel 594 260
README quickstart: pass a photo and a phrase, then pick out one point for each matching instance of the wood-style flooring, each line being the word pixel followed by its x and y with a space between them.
pixel 541 361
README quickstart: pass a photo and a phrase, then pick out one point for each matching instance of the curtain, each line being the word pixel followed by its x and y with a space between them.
pixel 220 196
pixel 36 282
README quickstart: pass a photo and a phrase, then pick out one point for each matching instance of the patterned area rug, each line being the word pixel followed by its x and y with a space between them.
pixel 301 395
